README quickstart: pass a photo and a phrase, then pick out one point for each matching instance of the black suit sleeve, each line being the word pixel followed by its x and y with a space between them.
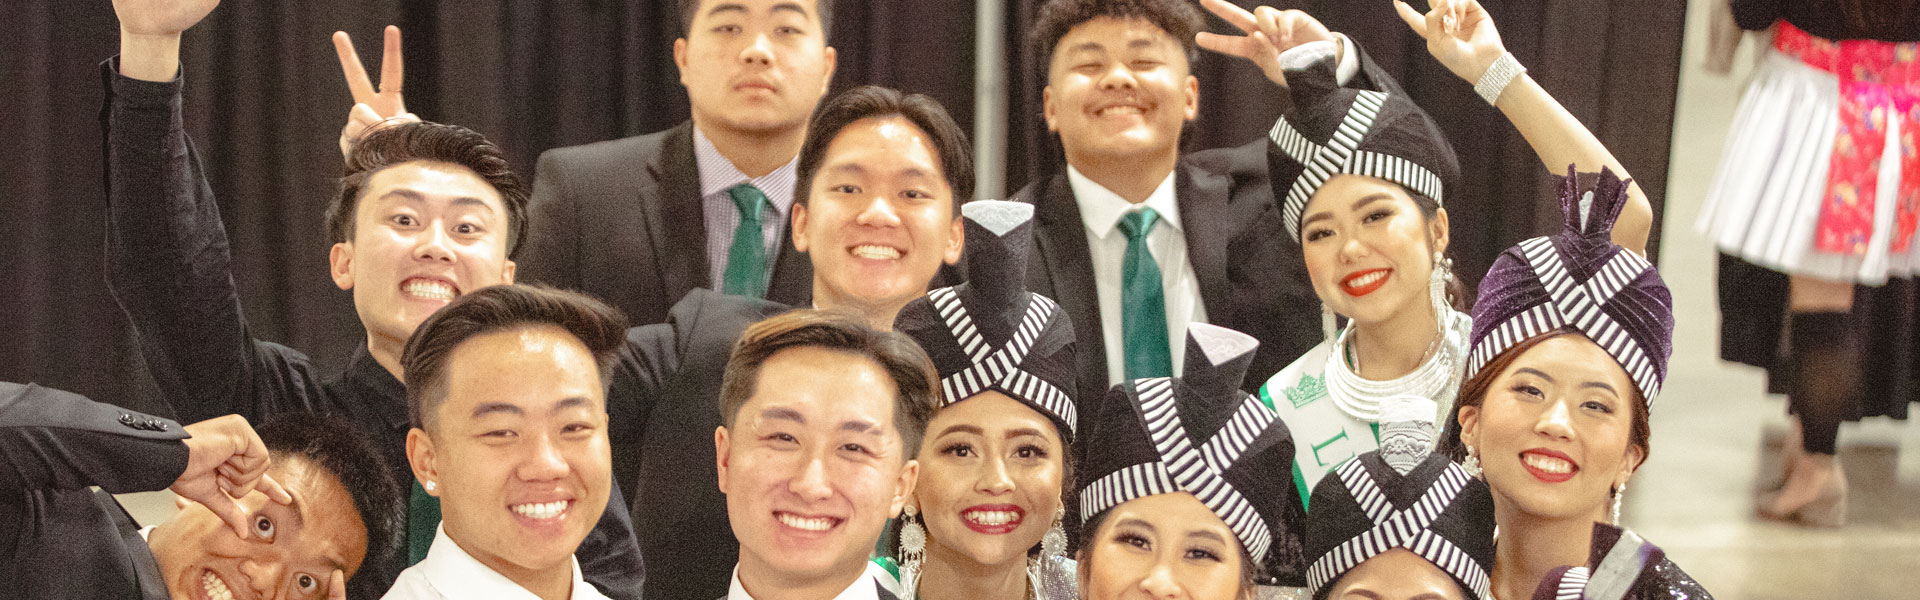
pixel 55 440
pixel 552 255
pixel 170 268
pixel 1756 15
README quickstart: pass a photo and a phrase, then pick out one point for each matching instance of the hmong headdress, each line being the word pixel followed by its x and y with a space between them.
pixel 1578 278
pixel 1402 496
pixel 990 333
pixel 1342 131
pixel 1200 434
pixel 1620 565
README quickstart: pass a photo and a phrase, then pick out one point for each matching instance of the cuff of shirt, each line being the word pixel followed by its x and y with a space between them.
pixel 136 92
pixel 1349 60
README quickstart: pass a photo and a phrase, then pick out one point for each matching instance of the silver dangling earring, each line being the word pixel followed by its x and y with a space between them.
pixel 1618 493
pixel 1053 545
pixel 1328 323
pixel 1437 282
pixel 913 550
pixel 1472 464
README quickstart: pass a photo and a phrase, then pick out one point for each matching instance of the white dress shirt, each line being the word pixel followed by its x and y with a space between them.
pixel 717 175
pixel 1100 212
pixel 449 572
pixel 867 587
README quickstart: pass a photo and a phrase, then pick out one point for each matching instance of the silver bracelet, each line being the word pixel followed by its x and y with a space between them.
pixel 1495 80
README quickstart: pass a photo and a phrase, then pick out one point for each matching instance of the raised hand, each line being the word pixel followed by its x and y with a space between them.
pixel 372 106
pixel 150 34
pixel 1459 34
pixel 225 461
pixel 337 586
pixel 1269 32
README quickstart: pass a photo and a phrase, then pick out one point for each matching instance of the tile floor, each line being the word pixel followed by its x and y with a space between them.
pixel 1716 431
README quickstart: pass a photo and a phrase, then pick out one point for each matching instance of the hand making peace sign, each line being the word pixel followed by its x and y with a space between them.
pixel 371 106
pixel 1270 31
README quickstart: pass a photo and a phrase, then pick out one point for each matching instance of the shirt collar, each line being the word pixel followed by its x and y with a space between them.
pixel 717 174
pixel 1101 208
pixel 867 587
pixel 457 574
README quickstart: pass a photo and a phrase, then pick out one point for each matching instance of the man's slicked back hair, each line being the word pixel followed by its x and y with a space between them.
pixel 916 383
pixel 338 446
pixel 1179 18
pixel 873 102
pixel 501 308
pixel 392 145
pixel 691 8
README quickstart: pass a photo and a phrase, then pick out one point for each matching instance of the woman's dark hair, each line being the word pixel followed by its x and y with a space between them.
pixel 338 446
pixel 1473 392
pixel 393 145
pixel 1090 532
pixel 497 308
pixel 873 102
pixel 1179 18
pixel 1457 295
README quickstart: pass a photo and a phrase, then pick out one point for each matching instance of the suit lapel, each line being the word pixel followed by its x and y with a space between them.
pixel 1202 197
pixel 792 279
pixel 677 176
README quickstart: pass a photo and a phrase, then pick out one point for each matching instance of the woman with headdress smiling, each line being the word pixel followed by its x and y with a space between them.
pixel 1360 176
pixel 986 518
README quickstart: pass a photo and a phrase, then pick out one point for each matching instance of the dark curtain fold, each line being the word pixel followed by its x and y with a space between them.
pixel 265 102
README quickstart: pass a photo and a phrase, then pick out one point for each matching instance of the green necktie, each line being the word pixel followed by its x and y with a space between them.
pixel 423 518
pixel 747 258
pixel 1143 304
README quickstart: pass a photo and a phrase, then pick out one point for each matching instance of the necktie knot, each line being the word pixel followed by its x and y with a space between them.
pixel 1137 224
pixel 749 200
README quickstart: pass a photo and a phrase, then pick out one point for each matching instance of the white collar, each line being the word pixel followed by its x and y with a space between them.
pixel 1100 208
pixel 867 587
pixel 456 574
pixel 718 174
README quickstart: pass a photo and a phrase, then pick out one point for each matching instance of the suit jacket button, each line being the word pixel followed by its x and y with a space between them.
pixel 128 420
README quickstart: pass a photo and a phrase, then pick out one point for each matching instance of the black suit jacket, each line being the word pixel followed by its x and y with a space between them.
pixel 622 220
pixel 663 400
pixel 1253 278
pixel 58 539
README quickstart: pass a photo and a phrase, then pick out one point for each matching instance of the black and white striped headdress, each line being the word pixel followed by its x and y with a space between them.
pixel 1200 434
pixel 1620 565
pixel 990 333
pixel 1434 510
pixel 1578 278
pixel 1342 131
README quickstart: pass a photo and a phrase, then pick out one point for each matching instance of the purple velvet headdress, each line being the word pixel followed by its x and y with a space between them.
pixel 1578 278
pixel 1333 130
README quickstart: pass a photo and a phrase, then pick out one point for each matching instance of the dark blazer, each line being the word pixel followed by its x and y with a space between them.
pixel 1252 276
pixel 170 270
pixel 622 220
pixel 58 539
pixel 663 401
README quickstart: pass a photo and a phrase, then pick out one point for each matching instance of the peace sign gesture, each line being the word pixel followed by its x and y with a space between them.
pixel 1459 34
pixel 371 107
pixel 1270 31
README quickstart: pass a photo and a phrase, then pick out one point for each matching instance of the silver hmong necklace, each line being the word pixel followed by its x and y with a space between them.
pixel 1360 397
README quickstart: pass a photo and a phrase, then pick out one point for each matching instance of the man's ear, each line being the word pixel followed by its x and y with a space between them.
pixel 420 455
pixel 903 487
pixel 799 227
pixel 506 273
pixel 833 59
pixel 721 455
pixel 340 265
pixel 1191 91
pixel 680 59
pixel 956 242
pixel 1047 109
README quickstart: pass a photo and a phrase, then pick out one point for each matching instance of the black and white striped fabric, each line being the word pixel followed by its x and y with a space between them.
pixel 1435 511
pixel 1620 566
pixel 991 334
pixel 1340 131
pixel 1579 279
pixel 1200 434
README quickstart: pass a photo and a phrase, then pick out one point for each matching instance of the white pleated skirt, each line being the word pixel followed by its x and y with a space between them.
pixel 1764 205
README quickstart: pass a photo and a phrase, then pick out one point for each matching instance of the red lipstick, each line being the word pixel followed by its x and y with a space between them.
pixel 1361 283
pixel 1545 475
pixel 986 518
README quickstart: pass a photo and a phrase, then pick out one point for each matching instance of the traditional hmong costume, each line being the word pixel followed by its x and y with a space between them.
pixel 1579 279
pixel 1334 413
pixel 1199 434
pixel 991 334
pixel 1402 496
pixel 1621 566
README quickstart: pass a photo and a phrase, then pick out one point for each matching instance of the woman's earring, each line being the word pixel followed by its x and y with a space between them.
pixel 1053 545
pixel 1437 282
pixel 913 549
pixel 1328 323
pixel 1472 464
pixel 1619 492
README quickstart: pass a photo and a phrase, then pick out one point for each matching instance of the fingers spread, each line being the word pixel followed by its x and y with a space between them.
pixel 356 75
pixel 1233 45
pixel 274 491
pixel 1234 15
pixel 232 513
pixel 1414 20
pixel 392 69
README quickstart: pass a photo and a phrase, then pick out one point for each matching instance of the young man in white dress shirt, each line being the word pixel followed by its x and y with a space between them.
pixel 815 461
pixel 509 416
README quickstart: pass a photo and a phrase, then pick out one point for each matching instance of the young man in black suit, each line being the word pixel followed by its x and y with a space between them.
pixel 293 511
pixel 1136 239
pixel 424 213
pixel 641 221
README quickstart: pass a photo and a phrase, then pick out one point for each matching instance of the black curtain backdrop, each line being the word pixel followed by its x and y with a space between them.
pixel 265 102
